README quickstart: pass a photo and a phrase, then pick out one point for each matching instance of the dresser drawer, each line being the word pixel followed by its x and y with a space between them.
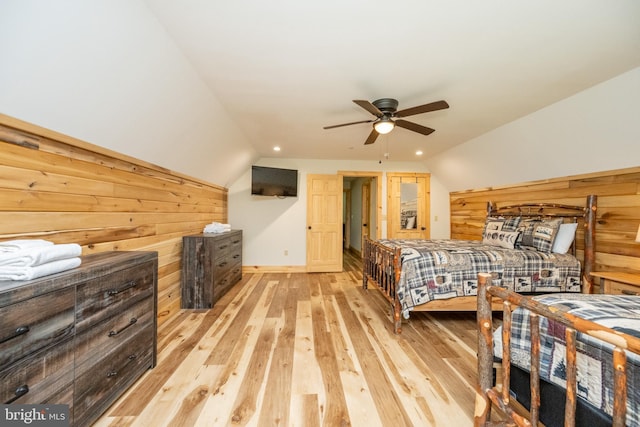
pixel 111 335
pixel 36 323
pixel 618 288
pixel 44 377
pixel 223 265
pixel 236 273
pixel 221 247
pixel 222 286
pixel 102 297
pixel 236 243
pixel 236 256
pixel 225 282
pixel 99 387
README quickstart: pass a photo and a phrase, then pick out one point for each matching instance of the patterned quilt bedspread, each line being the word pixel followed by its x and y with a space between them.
pixel 594 359
pixel 441 269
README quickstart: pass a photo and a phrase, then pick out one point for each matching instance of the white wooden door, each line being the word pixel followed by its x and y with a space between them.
pixel 324 223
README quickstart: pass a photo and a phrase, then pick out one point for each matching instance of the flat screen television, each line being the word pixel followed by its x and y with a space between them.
pixel 267 181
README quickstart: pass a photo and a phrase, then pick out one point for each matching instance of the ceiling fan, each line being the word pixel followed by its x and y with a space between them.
pixel 385 109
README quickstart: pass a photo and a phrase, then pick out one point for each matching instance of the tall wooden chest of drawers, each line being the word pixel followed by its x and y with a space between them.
pixel 80 337
pixel 211 265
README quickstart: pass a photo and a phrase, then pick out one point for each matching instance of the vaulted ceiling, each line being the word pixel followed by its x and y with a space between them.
pixel 284 69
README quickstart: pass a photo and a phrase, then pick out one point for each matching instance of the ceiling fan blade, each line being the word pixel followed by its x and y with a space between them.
pixel 347 124
pixel 414 127
pixel 372 137
pixel 433 106
pixel 369 107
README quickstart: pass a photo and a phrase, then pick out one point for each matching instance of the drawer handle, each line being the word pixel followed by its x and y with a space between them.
pixel 20 391
pixel 131 322
pixel 114 373
pixel 223 247
pixel 236 256
pixel 628 292
pixel 128 285
pixel 20 330
pixel 222 264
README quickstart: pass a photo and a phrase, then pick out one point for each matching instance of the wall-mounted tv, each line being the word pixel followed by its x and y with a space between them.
pixel 267 181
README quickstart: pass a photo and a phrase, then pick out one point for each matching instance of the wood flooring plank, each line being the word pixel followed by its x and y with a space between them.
pixel 277 397
pixel 335 412
pixel 389 407
pixel 310 412
pixel 240 319
pixel 245 403
pixel 306 377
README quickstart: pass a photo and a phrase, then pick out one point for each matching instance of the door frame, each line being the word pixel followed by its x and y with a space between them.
pixel 346 207
pixel 377 178
pixel 365 212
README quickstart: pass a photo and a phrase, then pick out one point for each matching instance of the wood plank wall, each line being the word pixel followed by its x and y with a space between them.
pixel 61 189
pixel 618 214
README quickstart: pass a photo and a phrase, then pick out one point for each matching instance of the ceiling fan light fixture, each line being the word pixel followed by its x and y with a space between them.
pixel 384 125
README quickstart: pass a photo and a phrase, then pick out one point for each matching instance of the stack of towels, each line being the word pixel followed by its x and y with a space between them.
pixel 216 227
pixel 30 259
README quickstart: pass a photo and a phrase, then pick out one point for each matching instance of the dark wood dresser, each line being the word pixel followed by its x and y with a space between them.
pixel 80 337
pixel 211 265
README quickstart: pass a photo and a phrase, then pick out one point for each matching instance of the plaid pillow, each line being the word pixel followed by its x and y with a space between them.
pixel 538 234
pixel 500 223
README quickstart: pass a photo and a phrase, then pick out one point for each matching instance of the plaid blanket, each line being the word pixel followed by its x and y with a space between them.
pixel 441 269
pixel 594 358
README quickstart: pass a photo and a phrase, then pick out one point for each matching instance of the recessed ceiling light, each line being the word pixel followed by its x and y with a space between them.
pixel 276 148
pixel 419 153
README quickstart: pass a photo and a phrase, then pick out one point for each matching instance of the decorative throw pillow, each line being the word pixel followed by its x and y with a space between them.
pixel 499 223
pixel 564 238
pixel 539 235
pixel 501 238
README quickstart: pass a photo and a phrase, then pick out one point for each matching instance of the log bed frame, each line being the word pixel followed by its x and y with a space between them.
pixel 488 394
pixel 382 264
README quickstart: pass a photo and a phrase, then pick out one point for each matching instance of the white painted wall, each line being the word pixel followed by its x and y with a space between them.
pixel 272 226
pixel 105 71
pixel 595 130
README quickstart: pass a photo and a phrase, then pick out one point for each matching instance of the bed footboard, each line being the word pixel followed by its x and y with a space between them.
pixel 489 395
pixel 381 266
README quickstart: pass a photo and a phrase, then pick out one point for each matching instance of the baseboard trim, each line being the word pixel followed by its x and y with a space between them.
pixel 274 269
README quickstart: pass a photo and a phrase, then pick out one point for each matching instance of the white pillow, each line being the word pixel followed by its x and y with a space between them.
pixel 564 238
pixel 411 223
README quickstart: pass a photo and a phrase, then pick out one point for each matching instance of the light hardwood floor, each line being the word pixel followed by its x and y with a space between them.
pixel 305 350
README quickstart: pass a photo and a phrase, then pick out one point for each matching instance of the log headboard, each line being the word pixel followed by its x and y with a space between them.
pixel 585 215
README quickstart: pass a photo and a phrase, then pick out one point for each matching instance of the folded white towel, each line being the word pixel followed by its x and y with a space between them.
pixel 17 245
pixel 29 273
pixel 216 227
pixel 39 255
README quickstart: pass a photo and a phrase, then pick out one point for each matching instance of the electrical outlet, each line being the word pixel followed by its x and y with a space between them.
pixel 286 252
